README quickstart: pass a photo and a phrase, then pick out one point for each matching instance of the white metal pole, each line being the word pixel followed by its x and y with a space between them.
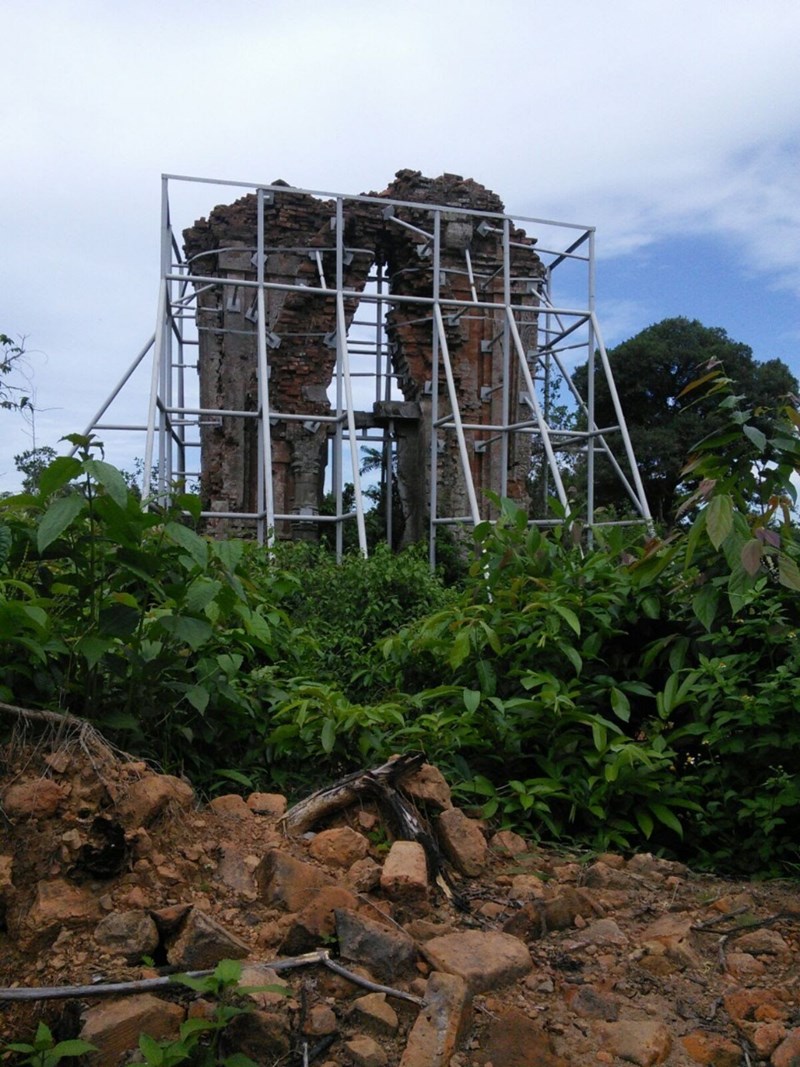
pixel 537 411
pixel 266 493
pixel 612 388
pixel 456 415
pixel 343 359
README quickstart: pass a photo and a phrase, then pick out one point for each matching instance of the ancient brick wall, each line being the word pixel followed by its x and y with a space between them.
pixel 303 364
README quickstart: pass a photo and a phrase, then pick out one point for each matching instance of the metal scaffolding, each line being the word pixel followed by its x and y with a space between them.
pixel 536 344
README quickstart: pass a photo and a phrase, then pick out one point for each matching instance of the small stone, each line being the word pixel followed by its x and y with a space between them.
pixel 375 1013
pixel 527 887
pixel 320 1021
pixel 759 1005
pixel 203 942
pixel 114 1026
pixel 484 959
pixel 442 1023
pixel 339 847
pixel 316 923
pixel 131 934
pixel 767 1037
pixel 711 1049
pixel 743 965
pixel 365 1052
pixel 269 804
pixel 364 875
pixel 462 841
pixel 235 872
pixel 787 1054
pixel 59 903
pixel 428 784
pixel 508 843
pixel 641 1042
pixel 255 977
pixel 763 943
pixel 281 879
pixel 405 872
pixel 602 932
pixel 262 1035
pixel 230 806
pixel 590 1003
pixel 514 1040
pixel 148 797
pixel 602 876
pixel 387 953
pixel 36 798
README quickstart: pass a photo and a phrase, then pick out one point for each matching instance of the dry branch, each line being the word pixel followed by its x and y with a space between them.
pixel 380 783
pixel 107 989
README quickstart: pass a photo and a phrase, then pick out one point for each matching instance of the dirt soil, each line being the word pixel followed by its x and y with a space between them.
pixel 110 872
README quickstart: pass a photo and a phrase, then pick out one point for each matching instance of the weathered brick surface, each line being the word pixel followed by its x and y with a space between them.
pixel 298 240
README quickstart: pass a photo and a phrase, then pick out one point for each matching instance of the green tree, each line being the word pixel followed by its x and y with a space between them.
pixel 651 370
pixel 31 464
pixel 12 395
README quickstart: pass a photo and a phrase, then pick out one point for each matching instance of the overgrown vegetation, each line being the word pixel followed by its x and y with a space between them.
pixel 615 691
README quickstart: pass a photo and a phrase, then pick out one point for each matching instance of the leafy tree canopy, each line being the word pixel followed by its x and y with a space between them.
pixel 651 370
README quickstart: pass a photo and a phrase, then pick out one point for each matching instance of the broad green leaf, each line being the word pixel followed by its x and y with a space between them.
pixel 5 544
pixel 719 520
pixel 57 518
pixel 460 650
pixel 93 649
pixel 238 1059
pixel 200 593
pixel 599 737
pixel 44 1036
pixel 486 677
pixel 58 473
pixel 110 478
pixel 569 617
pixel 472 699
pixel 756 436
pixel 228 971
pixel 235 776
pixel 740 586
pixel 620 704
pixel 195 545
pixel 666 816
pixel 152 1051
pixel 193 632
pixel 229 553
pixel 645 822
pixel 788 572
pixel 573 656
pixel 693 538
pixel 230 663
pixel 198 696
pixel 705 604
pixel 72 1047
pixel 327 736
pixel 119 620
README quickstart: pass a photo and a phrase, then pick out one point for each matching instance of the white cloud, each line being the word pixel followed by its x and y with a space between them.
pixel 643 117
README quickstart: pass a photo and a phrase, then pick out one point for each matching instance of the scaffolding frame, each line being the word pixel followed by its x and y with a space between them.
pixel 174 416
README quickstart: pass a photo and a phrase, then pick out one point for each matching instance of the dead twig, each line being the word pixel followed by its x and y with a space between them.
pixel 107 989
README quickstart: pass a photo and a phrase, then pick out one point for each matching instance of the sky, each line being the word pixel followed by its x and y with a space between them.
pixel 672 126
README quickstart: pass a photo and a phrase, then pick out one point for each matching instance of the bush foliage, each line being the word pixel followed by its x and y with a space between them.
pixel 611 690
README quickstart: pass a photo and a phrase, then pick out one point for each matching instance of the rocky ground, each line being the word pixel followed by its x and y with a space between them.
pixel 110 872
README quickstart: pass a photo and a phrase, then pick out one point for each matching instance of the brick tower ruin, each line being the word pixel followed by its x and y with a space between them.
pixel 463 264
